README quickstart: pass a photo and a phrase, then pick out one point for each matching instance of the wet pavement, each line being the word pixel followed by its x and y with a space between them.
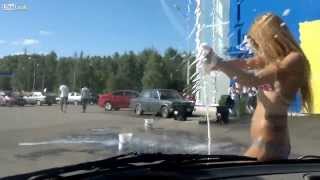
pixel 142 141
pixel 34 138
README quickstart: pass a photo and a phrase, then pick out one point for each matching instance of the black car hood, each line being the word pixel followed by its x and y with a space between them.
pixel 175 166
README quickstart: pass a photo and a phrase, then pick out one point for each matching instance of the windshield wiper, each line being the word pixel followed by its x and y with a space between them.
pixel 133 161
pixel 309 157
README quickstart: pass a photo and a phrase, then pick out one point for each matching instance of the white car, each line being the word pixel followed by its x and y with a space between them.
pixel 74 97
pixel 2 98
pixel 39 98
pixel 35 98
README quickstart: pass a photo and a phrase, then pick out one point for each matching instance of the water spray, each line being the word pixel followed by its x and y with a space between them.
pixel 201 74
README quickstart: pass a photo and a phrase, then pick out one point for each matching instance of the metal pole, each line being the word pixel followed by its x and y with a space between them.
pixel 188 72
pixel 43 77
pixel 239 21
pixel 34 76
pixel 74 80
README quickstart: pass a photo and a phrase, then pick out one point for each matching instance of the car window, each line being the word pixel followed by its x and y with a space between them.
pixel 130 94
pixel 135 94
pixel 126 93
pixel 168 94
pixel 154 94
pixel 117 93
pixel 146 94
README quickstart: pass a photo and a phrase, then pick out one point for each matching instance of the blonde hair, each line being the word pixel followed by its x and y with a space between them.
pixel 272 39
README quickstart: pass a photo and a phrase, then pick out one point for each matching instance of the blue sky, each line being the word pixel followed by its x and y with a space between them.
pixel 101 27
pixel 98 27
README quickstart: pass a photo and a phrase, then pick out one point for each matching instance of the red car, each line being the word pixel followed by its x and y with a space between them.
pixel 116 99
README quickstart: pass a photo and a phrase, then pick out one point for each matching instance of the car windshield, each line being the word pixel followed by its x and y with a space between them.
pixel 95 79
pixel 167 95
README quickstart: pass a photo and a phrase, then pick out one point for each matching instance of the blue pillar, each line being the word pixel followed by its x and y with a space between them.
pixel 296 104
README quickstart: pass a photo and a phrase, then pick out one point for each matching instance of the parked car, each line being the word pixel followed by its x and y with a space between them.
pixel 188 97
pixel 74 98
pixel 116 99
pixel 40 98
pixel 18 99
pixel 6 98
pixel 9 98
pixel 165 102
pixel 93 98
pixel 2 98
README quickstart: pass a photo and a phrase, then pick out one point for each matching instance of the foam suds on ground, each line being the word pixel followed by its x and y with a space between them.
pixel 170 142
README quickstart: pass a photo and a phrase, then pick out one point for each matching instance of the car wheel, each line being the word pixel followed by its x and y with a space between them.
pixel 164 112
pixel 8 104
pixel 181 118
pixel 138 110
pixel 108 106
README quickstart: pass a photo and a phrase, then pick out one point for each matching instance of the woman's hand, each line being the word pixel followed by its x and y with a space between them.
pixel 209 58
pixel 256 63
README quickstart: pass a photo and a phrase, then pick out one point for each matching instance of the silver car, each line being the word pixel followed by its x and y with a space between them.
pixel 164 102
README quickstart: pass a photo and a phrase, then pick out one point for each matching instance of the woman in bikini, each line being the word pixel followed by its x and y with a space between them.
pixel 281 70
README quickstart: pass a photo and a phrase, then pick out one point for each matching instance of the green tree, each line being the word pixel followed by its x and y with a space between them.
pixel 63 71
pixel 147 69
pixel 49 72
pixel 154 74
pixel 176 69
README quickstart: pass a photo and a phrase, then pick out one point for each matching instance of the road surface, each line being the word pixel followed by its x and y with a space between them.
pixel 40 137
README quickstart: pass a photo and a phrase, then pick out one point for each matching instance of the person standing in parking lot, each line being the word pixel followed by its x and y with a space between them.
pixel 64 91
pixel 84 98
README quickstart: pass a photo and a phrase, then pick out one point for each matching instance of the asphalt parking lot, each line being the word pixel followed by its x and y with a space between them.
pixel 39 137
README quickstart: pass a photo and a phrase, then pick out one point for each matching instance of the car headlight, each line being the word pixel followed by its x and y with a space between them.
pixel 176 112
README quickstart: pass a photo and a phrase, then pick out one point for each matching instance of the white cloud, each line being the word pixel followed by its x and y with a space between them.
pixel 286 12
pixel 17 53
pixel 3 42
pixel 45 33
pixel 42 52
pixel 28 42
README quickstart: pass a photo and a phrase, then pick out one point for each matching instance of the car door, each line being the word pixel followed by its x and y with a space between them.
pixel 128 95
pixel 154 101
pixel 144 100
pixel 123 100
pixel 77 96
pixel 70 97
pixel 116 98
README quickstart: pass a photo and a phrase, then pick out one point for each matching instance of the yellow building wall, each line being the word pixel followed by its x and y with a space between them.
pixel 310 43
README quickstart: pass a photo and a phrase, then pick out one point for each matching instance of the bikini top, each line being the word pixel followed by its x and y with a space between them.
pixel 269 88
